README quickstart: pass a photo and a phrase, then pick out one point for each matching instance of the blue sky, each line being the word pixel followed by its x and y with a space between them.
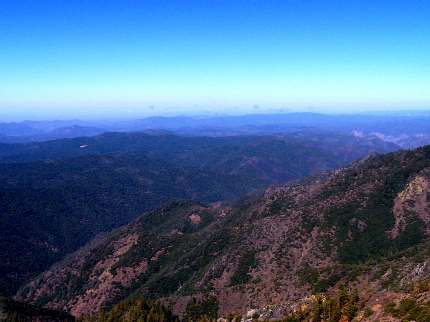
pixel 76 58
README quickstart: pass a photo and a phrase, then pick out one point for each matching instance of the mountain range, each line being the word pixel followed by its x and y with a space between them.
pixel 58 195
pixel 408 129
pixel 349 244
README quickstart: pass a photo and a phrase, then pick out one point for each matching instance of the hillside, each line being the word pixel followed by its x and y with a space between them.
pixel 56 196
pixel 52 208
pixel 365 226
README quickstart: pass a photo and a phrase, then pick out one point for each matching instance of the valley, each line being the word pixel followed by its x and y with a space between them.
pixel 365 226
pixel 57 195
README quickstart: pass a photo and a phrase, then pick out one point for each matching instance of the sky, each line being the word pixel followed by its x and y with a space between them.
pixel 95 58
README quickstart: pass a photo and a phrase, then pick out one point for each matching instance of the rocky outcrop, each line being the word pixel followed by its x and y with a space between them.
pixel 412 202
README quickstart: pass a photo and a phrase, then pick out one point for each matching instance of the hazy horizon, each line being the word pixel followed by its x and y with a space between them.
pixel 98 115
pixel 80 59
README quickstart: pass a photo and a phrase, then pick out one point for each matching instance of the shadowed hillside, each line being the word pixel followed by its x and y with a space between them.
pixel 12 311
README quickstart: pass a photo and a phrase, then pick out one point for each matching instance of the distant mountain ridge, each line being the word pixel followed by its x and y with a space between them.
pixel 23 135
pixel 408 129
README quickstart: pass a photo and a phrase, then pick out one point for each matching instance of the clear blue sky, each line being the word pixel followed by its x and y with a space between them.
pixel 73 57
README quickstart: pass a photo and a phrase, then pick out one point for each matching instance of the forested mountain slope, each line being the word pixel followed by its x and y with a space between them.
pixel 365 225
pixel 55 196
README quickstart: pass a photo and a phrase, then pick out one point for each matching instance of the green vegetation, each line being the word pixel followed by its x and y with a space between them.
pixel 203 310
pixel 247 262
pixel 368 312
pixel 409 309
pixel 373 209
pixel 278 206
pixel 320 281
pixel 308 275
pixel 135 310
pixel 342 305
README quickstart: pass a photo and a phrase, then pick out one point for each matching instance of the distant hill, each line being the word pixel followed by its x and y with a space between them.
pixel 22 134
pixel 366 226
pixel 197 151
